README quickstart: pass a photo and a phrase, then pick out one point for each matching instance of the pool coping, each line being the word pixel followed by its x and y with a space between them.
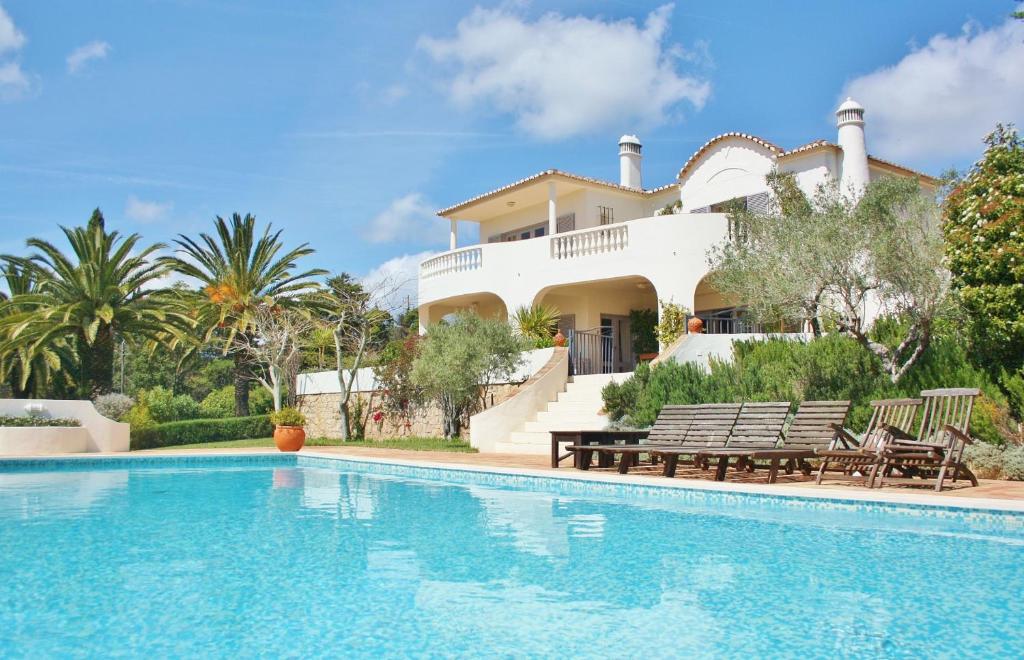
pixel 821 494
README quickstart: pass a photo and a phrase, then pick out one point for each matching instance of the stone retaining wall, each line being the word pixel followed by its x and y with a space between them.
pixel 323 419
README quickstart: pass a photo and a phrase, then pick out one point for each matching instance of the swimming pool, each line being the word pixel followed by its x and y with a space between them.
pixel 283 555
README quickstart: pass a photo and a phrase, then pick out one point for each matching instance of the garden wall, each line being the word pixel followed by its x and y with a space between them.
pixel 100 433
pixel 323 419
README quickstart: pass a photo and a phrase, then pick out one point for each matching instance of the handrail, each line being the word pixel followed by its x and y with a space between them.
pixel 470 258
pixel 599 240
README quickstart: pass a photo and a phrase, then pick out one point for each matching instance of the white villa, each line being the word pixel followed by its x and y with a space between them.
pixel 596 250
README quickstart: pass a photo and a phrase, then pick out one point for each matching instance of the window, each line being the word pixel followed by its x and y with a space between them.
pixel 606 215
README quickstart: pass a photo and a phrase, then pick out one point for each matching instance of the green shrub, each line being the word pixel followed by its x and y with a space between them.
pixel 1013 463
pixel 832 367
pixel 985 460
pixel 36 420
pixel 643 325
pixel 114 405
pixel 195 431
pixel 672 324
pixel 287 417
pixel 164 406
pixel 221 402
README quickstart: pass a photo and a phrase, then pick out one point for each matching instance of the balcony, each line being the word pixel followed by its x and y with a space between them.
pixel 670 251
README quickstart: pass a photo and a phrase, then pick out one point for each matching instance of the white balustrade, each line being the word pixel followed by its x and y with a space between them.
pixel 607 238
pixel 452 262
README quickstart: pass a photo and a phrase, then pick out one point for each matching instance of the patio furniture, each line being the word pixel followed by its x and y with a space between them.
pixel 938 448
pixel 758 425
pixel 813 427
pixel 854 456
pixel 669 429
pixel 577 439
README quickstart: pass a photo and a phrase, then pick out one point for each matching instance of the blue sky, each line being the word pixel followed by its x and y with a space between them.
pixel 347 124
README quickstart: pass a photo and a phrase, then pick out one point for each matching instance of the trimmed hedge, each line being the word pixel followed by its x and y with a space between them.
pixel 35 420
pixel 196 431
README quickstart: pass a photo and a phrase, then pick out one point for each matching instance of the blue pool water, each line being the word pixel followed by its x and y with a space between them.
pixel 280 555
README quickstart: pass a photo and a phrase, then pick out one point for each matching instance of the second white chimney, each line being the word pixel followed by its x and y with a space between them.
pixel 629 162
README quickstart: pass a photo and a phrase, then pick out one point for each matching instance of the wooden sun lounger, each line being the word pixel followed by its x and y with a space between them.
pixel 937 450
pixel 669 430
pixel 814 427
pixel 758 426
pixel 855 456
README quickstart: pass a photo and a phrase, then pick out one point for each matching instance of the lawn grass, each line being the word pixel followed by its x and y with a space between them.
pixel 414 444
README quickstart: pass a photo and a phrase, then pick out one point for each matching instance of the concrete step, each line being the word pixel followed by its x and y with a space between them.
pixel 574 406
pixel 575 417
pixel 522 442
pixel 576 396
pixel 596 424
pixel 599 380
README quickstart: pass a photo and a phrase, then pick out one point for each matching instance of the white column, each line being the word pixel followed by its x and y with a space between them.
pixel 552 210
pixel 453 235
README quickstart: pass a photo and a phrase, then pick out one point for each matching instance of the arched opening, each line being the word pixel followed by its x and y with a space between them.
pixel 487 305
pixel 723 315
pixel 610 322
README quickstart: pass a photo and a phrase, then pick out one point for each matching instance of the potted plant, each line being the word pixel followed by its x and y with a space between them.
pixel 288 432
pixel 643 326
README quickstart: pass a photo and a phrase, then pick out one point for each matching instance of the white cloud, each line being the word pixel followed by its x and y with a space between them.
pixel 408 219
pixel 11 39
pixel 399 277
pixel 561 76
pixel 79 57
pixel 940 100
pixel 14 82
pixel 394 93
pixel 142 211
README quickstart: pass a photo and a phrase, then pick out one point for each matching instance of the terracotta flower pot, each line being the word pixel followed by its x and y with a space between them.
pixel 559 339
pixel 647 357
pixel 289 438
pixel 695 326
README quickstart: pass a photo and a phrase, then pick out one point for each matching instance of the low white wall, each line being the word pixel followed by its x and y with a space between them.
pixel 32 440
pixel 700 349
pixel 101 434
pixel 497 423
pixel 326 382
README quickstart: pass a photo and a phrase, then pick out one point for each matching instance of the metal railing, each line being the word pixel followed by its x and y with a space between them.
pixel 727 324
pixel 600 240
pixel 591 352
pixel 451 262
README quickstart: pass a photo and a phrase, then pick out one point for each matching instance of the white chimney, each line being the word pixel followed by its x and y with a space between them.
pixel 854 172
pixel 629 162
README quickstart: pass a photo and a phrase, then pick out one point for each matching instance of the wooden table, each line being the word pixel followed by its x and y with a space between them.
pixel 558 438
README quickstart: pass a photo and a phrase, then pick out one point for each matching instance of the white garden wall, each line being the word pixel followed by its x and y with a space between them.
pixel 97 433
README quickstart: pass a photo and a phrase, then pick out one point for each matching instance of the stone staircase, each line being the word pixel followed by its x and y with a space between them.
pixel 577 409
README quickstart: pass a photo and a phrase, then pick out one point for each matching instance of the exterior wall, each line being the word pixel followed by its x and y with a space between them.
pixel 813 169
pixel 30 441
pixel 323 416
pixel 670 251
pixel 319 399
pixel 101 434
pixel 734 167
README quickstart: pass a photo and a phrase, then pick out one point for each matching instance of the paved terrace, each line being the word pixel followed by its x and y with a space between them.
pixel 989 490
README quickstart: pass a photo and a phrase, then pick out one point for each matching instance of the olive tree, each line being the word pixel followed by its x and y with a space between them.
pixel 460 360
pixel 828 259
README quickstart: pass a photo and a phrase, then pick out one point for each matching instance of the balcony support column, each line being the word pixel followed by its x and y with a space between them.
pixel 552 210
pixel 453 234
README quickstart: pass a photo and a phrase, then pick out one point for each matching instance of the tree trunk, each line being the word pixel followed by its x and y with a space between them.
pixel 345 422
pixel 96 364
pixel 241 376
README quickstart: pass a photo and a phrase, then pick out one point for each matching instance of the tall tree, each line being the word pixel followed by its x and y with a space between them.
pixel 85 299
pixel 239 272
pixel 359 317
pixel 984 227
pixel 829 259
pixel 33 374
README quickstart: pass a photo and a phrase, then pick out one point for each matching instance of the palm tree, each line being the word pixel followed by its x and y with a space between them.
pixel 238 274
pixel 32 375
pixel 80 302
